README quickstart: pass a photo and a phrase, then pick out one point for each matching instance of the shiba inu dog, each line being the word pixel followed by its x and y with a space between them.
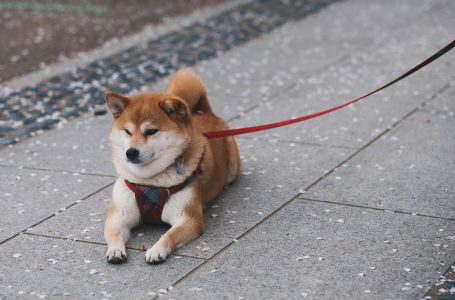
pixel 167 169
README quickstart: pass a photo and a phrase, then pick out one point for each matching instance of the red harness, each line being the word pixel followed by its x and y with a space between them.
pixel 151 199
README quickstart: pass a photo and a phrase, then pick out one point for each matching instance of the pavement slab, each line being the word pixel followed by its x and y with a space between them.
pixel 265 67
pixel 258 192
pixel 85 222
pixel 317 250
pixel 288 67
pixel 443 105
pixel 30 196
pixel 38 267
pixel 81 145
pixel 395 169
pixel 360 72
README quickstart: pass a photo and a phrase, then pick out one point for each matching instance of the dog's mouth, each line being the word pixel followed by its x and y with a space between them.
pixel 138 161
pixel 134 161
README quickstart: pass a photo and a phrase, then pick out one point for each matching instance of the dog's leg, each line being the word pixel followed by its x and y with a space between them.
pixel 123 215
pixel 187 220
pixel 177 236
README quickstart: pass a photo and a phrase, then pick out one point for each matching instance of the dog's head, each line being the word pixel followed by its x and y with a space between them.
pixel 150 131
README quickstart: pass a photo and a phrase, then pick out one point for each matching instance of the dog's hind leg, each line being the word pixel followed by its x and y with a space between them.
pixel 123 215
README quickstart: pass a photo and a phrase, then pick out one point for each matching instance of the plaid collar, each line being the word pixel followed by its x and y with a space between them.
pixel 151 199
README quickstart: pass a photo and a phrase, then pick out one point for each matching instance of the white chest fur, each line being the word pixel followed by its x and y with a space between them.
pixel 174 207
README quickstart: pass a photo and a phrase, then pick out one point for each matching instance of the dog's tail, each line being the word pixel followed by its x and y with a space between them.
pixel 188 86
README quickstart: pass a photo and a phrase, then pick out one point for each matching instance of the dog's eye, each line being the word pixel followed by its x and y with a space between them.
pixel 149 132
pixel 127 131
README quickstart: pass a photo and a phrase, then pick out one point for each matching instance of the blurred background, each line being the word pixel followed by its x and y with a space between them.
pixel 35 33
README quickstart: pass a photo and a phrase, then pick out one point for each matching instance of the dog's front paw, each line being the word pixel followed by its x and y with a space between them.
pixel 157 254
pixel 116 255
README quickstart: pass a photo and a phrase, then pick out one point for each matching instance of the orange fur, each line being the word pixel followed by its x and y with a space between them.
pixel 181 115
pixel 186 85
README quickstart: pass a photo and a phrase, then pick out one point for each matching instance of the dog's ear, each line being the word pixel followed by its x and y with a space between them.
pixel 116 103
pixel 175 108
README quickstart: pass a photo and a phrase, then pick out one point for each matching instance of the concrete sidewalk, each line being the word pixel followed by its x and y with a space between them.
pixel 358 204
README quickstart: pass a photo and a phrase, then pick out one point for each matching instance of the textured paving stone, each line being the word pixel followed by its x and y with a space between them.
pixel 443 105
pixel 355 125
pixel 36 267
pixel 318 250
pixel 28 197
pixel 265 68
pixel 85 222
pixel 410 169
pixel 81 145
pixel 239 81
pixel 254 72
pixel 272 173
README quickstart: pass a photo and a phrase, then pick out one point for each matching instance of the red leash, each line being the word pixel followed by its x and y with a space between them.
pixel 238 131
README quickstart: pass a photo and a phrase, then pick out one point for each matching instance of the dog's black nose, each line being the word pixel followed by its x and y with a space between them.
pixel 132 153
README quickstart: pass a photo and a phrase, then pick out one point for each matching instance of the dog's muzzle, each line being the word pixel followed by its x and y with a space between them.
pixel 133 154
